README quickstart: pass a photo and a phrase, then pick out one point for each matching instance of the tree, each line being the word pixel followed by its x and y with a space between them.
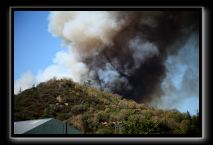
pixel 88 82
pixel 195 125
pixel 187 115
pixel 20 90
pixel 185 126
pixel 87 122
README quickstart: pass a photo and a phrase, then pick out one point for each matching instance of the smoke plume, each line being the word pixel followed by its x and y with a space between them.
pixel 129 53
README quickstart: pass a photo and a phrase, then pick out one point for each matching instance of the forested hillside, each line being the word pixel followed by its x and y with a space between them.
pixel 97 112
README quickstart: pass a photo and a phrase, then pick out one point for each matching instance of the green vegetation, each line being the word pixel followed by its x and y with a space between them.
pixel 98 112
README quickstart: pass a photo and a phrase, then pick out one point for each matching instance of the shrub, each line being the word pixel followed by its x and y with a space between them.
pixel 102 116
pixel 148 114
pixel 172 123
pixel 185 126
pixel 136 125
pixel 87 122
pixel 78 109
pixel 104 131
pixel 62 116
pixel 121 115
pixel 174 114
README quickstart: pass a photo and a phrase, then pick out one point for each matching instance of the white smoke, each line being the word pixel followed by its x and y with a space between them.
pixel 107 74
pixel 87 31
pixel 65 65
pixel 181 84
pixel 111 79
pixel 24 82
pixel 142 50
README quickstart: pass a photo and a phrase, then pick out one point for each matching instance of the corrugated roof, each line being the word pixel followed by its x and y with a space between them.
pixel 21 127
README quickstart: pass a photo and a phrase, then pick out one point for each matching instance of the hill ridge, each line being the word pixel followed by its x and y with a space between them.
pixel 99 112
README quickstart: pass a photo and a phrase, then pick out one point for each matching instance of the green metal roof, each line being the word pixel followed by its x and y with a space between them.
pixel 44 126
pixel 21 127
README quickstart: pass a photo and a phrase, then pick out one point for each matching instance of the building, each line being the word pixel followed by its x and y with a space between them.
pixel 44 126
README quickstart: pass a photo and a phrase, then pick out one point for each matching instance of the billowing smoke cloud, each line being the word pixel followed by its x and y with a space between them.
pixel 140 55
pixel 125 52
pixel 88 32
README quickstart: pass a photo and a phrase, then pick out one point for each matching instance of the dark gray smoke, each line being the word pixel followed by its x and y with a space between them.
pixel 125 52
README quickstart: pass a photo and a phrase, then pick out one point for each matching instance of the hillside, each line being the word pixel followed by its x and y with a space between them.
pixel 98 112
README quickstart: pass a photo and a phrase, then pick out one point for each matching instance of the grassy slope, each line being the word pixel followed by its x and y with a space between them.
pixel 95 111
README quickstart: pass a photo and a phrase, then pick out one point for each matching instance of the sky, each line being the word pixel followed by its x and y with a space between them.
pixel 34 47
pixel 40 55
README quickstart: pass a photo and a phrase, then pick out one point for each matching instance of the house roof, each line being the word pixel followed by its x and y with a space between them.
pixel 21 127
